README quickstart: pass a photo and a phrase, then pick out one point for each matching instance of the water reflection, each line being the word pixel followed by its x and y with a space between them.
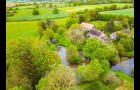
pixel 124 66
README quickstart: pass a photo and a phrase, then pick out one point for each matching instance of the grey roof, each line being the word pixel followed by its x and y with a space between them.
pixel 126 31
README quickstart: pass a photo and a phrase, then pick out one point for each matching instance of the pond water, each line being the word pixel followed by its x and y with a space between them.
pixel 124 66
pixel 62 53
pixel 61 50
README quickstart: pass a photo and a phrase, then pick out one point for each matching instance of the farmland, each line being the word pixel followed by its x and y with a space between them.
pixel 69 45
pixel 129 12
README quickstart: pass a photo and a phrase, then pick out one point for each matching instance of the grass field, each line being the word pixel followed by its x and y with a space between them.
pixel 129 12
pixel 26 14
pixel 83 7
pixel 25 28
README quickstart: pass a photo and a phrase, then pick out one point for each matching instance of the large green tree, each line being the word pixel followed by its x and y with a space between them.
pixel 90 72
pixel 60 77
pixel 91 45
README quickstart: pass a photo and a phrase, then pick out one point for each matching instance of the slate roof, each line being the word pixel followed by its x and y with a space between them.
pixel 87 26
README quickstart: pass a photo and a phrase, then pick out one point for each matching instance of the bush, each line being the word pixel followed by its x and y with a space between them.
pixel 105 64
pixel 118 27
pixel 132 71
pixel 125 7
pixel 60 30
pixel 115 60
pixel 71 21
pixel 55 11
pixel 89 72
pixel 110 77
pixel 60 77
pixel 113 7
pixel 106 17
pixel 36 6
pixel 35 12
pixel 128 43
pixel 76 60
pixel 50 5
pixel 120 48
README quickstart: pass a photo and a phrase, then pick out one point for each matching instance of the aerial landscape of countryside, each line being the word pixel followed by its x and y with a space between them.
pixel 69 44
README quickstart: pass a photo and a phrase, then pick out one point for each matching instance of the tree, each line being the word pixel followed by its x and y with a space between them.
pixel 43 4
pixel 17 49
pixel 91 45
pixel 125 23
pixel 122 35
pixel 87 16
pixel 43 58
pixel 36 6
pixel 49 33
pixel 111 78
pixel 73 15
pixel 56 37
pixel 90 72
pixel 42 24
pixel 35 12
pixel 113 7
pixel 60 30
pixel 50 5
pixel 105 64
pixel 76 35
pixel 128 43
pixel 53 26
pixel 100 54
pixel 55 11
pixel 71 51
pixel 71 21
pixel 110 26
pixel 60 77
pixel 21 73
pixel 40 30
pixel 120 48
pixel 76 60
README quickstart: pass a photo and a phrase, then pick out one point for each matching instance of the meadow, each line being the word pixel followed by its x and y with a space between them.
pixel 15 30
pixel 25 12
pixel 129 12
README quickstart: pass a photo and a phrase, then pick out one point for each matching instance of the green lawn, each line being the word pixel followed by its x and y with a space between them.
pixel 129 12
pixel 25 28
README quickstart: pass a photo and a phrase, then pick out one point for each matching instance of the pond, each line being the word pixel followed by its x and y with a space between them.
pixel 124 66
pixel 61 50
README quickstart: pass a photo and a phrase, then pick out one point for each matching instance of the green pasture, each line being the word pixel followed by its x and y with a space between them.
pixel 129 12
pixel 25 28
pixel 83 7
pixel 26 14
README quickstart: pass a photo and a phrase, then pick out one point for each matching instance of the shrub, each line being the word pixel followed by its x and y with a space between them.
pixel 16 8
pixel 128 43
pixel 122 35
pixel 115 60
pixel 35 12
pixel 120 48
pixel 71 21
pixel 113 7
pixel 106 17
pixel 60 77
pixel 36 6
pixel 110 77
pixel 105 64
pixel 55 11
pixel 125 7
pixel 60 30
pixel 118 27
pixel 50 5
pixel 132 71
pixel 76 60
pixel 90 72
